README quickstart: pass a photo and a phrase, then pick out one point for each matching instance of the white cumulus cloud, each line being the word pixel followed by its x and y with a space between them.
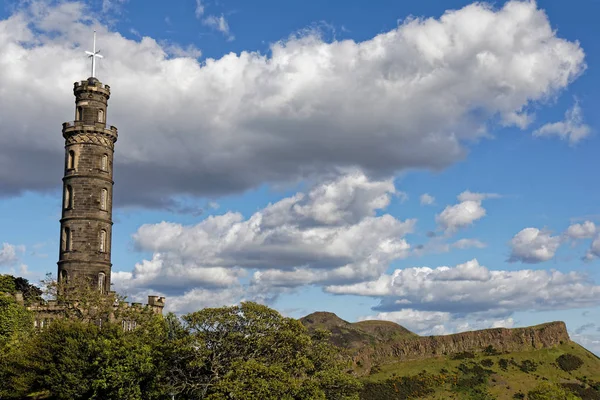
pixel 585 230
pixel 572 128
pixel 329 235
pixel 464 213
pixel 594 251
pixel 427 199
pixel 400 100
pixel 532 245
pixel 472 288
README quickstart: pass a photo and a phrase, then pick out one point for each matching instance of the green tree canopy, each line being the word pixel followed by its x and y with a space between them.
pixel 11 284
pixel 252 352
pixel 74 359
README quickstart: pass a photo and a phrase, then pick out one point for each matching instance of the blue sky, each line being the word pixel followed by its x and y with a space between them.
pixel 280 151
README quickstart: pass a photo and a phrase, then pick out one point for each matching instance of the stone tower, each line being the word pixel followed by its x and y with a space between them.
pixel 86 223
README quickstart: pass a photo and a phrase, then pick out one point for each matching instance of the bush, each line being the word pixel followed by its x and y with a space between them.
pixel 473 375
pixel 490 351
pixel 404 387
pixel 463 355
pixel 569 362
pixel 487 362
pixel 586 393
pixel 503 363
pixel 528 366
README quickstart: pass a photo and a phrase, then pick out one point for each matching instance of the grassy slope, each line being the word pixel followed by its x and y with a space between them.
pixel 503 384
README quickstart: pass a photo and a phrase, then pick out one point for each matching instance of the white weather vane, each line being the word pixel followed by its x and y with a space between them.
pixel 93 54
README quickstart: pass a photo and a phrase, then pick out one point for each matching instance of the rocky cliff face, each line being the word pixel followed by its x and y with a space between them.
pixel 367 346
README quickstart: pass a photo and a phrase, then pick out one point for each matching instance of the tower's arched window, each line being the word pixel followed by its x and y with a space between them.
pixel 64 277
pixel 100 115
pixel 71 160
pixel 79 114
pixel 69 197
pixel 66 239
pixel 103 240
pixel 101 278
pixel 103 199
pixel 104 163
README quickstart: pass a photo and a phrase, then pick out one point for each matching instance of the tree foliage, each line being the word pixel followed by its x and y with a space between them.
pixel 79 360
pixel 15 320
pixel 569 362
pixel 11 285
pixel 548 391
pixel 242 352
pixel 252 352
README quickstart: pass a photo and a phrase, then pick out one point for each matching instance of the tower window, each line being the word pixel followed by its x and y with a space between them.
pixel 103 241
pixel 103 199
pixel 69 197
pixel 71 160
pixel 66 239
pixel 101 278
pixel 79 114
pixel 100 115
pixel 104 163
pixel 63 276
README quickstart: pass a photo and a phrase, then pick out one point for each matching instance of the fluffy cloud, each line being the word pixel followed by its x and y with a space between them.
pixel 402 99
pixel 473 288
pixel 532 245
pixel 464 213
pixel 427 199
pixel 585 230
pixel 572 128
pixel 329 235
pixel 594 251
pixel 9 254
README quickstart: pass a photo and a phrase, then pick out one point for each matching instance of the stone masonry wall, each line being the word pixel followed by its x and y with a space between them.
pixel 86 224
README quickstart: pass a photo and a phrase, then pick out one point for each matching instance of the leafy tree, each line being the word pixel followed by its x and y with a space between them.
pixel 14 319
pixel 86 353
pixel 11 284
pixel 7 284
pixel 569 362
pixel 79 360
pixel 252 352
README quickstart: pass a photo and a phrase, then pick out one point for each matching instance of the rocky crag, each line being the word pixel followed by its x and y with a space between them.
pixel 371 343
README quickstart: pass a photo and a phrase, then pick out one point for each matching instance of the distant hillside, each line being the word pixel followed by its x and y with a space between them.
pixel 358 334
pixel 380 342
pixel 488 364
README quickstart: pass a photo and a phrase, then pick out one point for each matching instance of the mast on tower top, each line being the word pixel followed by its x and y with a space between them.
pixel 93 55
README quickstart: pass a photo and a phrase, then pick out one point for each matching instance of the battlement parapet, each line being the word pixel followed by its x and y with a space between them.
pixel 91 85
pixel 156 301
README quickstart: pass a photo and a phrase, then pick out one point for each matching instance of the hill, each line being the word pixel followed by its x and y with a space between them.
pixel 499 363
